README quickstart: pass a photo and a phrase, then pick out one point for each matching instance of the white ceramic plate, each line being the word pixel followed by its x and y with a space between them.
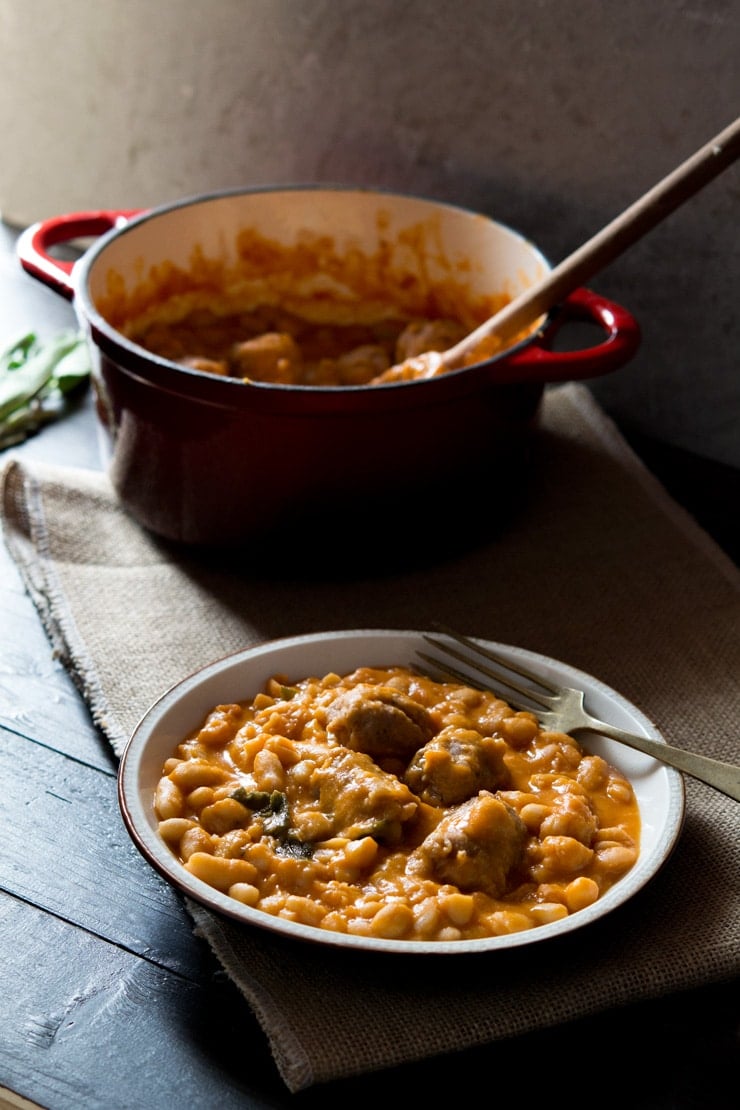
pixel 659 789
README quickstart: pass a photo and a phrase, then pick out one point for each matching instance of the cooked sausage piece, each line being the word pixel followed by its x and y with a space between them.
pixel 456 764
pixel 475 846
pixel 360 798
pixel 360 365
pixel 379 720
pixel 272 357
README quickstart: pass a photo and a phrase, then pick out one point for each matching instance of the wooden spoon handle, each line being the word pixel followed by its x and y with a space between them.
pixel 686 180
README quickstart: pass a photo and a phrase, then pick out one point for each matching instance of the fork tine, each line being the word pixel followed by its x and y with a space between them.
pixel 495 657
pixel 448 671
pixel 541 699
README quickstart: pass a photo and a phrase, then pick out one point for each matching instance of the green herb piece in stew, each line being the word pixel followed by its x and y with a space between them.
pixel 273 811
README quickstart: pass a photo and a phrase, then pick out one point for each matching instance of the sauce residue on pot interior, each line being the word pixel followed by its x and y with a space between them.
pixel 305 314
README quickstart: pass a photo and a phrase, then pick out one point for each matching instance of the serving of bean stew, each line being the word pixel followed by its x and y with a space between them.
pixel 385 804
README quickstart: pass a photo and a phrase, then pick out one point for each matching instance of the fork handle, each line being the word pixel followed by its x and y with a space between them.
pixel 722 776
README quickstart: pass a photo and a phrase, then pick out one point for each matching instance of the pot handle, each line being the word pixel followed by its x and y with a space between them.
pixel 35 243
pixel 538 362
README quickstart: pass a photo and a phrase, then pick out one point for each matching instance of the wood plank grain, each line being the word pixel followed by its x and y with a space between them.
pixel 103 1029
pixel 66 850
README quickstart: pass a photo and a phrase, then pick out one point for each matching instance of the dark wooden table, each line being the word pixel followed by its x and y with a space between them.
pixel 89 1018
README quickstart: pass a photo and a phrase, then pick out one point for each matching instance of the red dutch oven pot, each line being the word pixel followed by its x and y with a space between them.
pixel 214 461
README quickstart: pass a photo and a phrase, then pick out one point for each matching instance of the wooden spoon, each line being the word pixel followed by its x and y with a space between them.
pixel 709 161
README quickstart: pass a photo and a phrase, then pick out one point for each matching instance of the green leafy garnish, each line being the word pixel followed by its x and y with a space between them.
pixel 251 799
pixel 272 809
pixel 36 379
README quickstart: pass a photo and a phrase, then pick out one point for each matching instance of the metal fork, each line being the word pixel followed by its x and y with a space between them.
pixel 561 708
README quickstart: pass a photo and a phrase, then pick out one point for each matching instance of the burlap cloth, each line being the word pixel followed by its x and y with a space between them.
pixel 598 568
